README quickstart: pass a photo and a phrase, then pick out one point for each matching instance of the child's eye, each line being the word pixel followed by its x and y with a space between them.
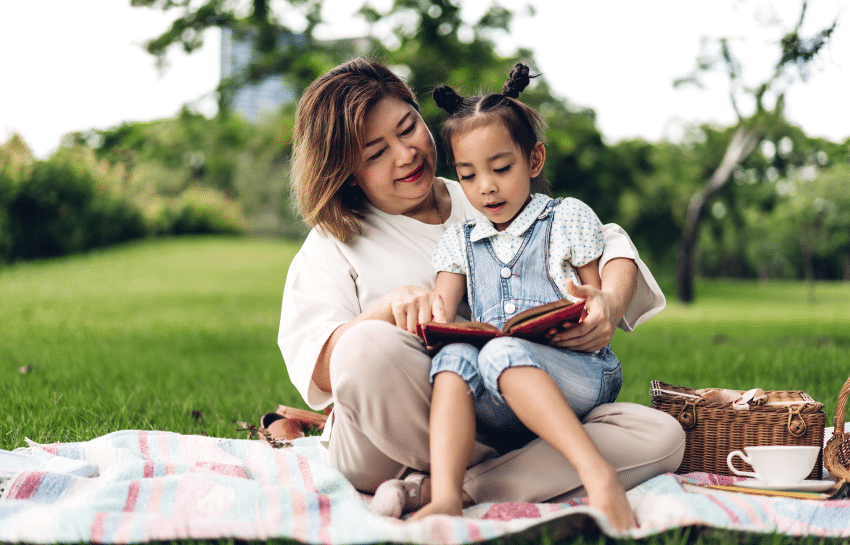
pixel 466 177
pixel 501 170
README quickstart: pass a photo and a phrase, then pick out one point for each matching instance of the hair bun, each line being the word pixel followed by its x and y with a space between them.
pixel 518 80
pixel 447 99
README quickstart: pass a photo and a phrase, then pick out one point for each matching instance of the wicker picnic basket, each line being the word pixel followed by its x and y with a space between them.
pixel 836 454
pixel 713 430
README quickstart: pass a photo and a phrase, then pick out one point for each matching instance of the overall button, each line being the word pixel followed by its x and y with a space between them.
pixel 510 308
pixel 505 272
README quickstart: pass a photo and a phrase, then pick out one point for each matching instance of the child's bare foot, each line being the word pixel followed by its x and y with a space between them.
pixel 452 506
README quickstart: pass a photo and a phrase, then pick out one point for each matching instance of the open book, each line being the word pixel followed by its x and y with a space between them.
pixel 531 324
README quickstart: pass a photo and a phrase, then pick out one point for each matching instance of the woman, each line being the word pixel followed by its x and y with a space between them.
pixel 364 168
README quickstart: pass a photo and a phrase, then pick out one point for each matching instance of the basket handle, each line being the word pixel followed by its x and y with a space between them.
pixel 796 423
pixel 688 415
pixel 839 411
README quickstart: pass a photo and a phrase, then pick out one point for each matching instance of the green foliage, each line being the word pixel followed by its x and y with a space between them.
pixel 169 161
pixel 61 209
pixel 7 193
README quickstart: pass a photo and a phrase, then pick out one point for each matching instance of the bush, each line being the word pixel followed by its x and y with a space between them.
pixel 61 209
pixel 7 191
pixel 196 211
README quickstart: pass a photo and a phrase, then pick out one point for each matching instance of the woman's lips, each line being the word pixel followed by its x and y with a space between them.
pixel 413 176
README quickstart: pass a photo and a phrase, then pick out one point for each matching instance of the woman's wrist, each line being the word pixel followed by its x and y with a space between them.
pixel 619 284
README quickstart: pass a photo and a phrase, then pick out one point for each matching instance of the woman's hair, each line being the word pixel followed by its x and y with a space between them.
pixel 328 140
pixel 523 123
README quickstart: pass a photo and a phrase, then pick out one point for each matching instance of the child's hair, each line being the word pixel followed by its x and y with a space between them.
pixel 327 142
pixel 523 123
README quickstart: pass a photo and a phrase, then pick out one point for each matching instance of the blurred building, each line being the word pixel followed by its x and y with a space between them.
pixel 250 100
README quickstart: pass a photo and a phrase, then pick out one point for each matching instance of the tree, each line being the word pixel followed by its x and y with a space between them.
pixel 280 50
pixel 428 42
pixel 796 54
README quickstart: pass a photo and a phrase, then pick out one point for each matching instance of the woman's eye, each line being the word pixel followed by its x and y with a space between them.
pixel 376 155
pixel 409 129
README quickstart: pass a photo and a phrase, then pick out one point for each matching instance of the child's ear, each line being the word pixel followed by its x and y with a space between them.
pixel 538 157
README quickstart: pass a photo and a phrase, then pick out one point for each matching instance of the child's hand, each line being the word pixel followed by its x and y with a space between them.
pixel 595 330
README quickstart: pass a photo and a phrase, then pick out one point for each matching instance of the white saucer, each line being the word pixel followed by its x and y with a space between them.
pixel 805 486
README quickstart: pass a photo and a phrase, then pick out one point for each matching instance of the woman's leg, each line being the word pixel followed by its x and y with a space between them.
pixel 385 369
pixel 639 442
pixel 382 399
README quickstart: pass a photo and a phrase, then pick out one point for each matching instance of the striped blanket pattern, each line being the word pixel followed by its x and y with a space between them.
pixel 156 486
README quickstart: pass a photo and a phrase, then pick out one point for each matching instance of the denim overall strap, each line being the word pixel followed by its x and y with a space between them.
pixel 498 291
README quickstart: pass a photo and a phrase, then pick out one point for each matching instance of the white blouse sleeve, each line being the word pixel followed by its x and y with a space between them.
pixel 319 295
pixel 577 233
pixel 450 255
pixel 649 300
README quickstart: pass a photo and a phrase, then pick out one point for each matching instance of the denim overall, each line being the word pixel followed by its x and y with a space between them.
pixel 498 291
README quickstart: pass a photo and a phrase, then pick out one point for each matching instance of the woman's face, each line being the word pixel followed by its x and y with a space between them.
pixel 397 165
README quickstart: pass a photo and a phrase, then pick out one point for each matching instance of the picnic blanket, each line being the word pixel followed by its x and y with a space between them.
pixel 157 486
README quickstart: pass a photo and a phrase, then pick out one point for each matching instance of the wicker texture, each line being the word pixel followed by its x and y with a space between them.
pixel 713 430
pixel 836 455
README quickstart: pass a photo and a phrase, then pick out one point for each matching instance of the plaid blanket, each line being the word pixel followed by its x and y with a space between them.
pixel 156 486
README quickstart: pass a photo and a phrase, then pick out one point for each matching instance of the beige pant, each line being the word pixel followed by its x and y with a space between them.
pixel 382 395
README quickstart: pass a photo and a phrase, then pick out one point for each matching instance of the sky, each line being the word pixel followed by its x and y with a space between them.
pixel 77 65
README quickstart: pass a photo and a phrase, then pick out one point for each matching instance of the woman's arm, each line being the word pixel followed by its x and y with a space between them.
pixel 405 307
pixel 408 305
pixel 605 307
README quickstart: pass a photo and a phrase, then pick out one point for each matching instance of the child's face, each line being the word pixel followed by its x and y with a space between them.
pixel 494 173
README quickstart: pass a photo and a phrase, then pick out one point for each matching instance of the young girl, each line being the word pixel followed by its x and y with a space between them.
pixel 529 250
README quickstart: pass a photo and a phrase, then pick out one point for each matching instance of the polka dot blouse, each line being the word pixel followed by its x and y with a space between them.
pixel 576 239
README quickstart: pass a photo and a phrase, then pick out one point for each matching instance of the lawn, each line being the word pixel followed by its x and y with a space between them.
pixel 180 335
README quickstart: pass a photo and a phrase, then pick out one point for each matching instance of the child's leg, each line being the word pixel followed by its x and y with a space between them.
pixel 452 436
pixel 456 385
pixel 538 402
pixel 585 379
pixel 512 370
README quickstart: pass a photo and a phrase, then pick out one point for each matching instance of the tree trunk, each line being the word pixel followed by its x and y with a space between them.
pixel 742 144
pixel 847 267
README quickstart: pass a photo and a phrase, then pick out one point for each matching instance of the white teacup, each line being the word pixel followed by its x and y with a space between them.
pixel 776 464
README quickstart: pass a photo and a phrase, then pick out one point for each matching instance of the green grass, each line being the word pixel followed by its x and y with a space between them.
pixel 742 335
pixel 177 335
pixel 180 335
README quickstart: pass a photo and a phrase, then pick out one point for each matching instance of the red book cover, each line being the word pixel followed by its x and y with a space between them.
pixel 531 324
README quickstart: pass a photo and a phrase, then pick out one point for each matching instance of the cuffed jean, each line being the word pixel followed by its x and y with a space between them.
pixel 587 380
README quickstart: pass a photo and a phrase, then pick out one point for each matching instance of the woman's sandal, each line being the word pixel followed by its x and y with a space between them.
pixel 398 497
pixel 287 423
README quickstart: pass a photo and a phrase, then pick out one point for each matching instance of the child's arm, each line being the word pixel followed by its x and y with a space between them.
pixel 589 274
pixel 450 288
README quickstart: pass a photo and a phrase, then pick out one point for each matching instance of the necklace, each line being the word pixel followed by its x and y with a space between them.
pixel 437 203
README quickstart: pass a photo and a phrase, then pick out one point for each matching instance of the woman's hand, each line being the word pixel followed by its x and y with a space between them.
pixel 409 305
pixel 604 311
